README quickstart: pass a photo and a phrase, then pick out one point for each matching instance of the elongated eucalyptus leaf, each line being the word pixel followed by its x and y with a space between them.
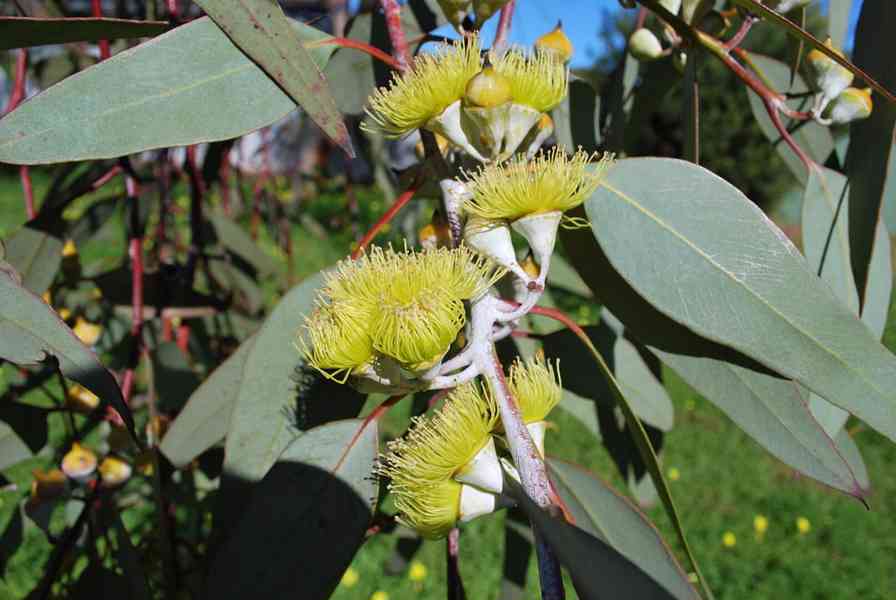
pixel 709 259
pixel 203 421
pixel 774 413
pixel 880 283
pixel 215 93
pixel 593 564
pixel 36 256
pixel 263 33
pixel 609 516
pixel 12 448
pixel 22 32
pixel 306 518
pixel 872 139
pixel 814 139
pixel 577 118
pixel 31 332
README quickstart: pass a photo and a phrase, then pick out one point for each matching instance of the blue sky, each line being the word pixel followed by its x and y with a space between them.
pixel 581 21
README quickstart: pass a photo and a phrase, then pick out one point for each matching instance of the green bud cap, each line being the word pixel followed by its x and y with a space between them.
pixel 644 45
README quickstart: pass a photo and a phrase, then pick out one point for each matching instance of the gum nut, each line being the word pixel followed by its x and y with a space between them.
pixel 851 105
pixel 644 45
pixel 114 471
pixel 475 503
pixel 80 399
pixel 492 238
pixel 79 463
pixel 540 231
pixel 487 88
pixel 483 470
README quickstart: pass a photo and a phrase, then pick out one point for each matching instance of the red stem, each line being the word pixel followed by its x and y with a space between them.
pixel 504 24
pixel 371 50
pixel 396 34
pixel 25 176
pixel 452 553
pixel 107 176
pixel 15 98
pixel 96 6
pixel 742 32
pixel 388 216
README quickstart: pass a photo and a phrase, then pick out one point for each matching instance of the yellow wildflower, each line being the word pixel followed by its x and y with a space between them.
pixel 760 525
pixel 417 572
pixel 674 474
pixel 729 540
pixel 803 526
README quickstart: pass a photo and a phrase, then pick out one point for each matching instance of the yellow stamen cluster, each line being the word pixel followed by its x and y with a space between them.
pixel 433 82
pixel 550 182
pixel 421 466
pixel 538 81
pixel 537 387
pixel 404 305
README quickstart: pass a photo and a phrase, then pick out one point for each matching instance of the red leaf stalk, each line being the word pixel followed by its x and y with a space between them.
pixel 366 48
pixel 388 216
pixel 396 34
pixel 504 24
pixel 96 6
pixel 18 94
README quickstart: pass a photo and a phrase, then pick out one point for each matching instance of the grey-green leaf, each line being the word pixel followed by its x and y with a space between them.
pixel 263 32
pixel 708 258
pixel 12 448
pixel 36 256
pixel 771 411
pixel 216 93
pixel 609 516
pixel 31 332
pixel 306 518
pixel 203 421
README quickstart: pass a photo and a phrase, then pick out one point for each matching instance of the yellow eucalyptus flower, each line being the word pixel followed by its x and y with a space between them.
pixel 536 385
pixel 440 447
pixel 404 305
pixel 538 81
pixel 425 467
pixel 425 90
pixel 553 181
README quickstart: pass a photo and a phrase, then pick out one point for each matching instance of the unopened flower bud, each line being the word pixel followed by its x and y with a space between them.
pixel 79 463
pixel 644 45
pixel 556 41
pixel 71 264
pixel 484 9
pixel 487 89
pixel 831 77
pixel 852 104
pixel 80 399
pixel 455 11
pixel 89 333
pixel 114 471
pixel 47 485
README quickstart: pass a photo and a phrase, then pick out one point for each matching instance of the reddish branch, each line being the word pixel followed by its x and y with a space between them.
pixel 400 49
pixel 96 6
pixel 367 48
pixel 504 24
pixel 18 94
pixel 388 216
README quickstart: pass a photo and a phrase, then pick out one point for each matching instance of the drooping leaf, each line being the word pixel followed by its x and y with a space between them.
pixel 813 138
pixel 31 332
pixel 690 109
pixel 871 139
pixel 710 260
pixel 12 448
pixel 577 118
pixel 22 32
pixel 235 239
pixel 880 283
pixel 264 34
pixel 609 516
pixel 170 107
pixel 306 518
pixel 773 412
pixel 593 565
pixel 203 421
pixel 35 255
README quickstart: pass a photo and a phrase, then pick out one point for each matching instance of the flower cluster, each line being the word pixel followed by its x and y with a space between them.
pixel 486 106
pixel 446 469
pixel 836 101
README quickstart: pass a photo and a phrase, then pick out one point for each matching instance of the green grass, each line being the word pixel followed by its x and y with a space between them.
pixel 725 481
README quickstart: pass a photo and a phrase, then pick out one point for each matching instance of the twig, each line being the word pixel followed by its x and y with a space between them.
pixel 97 8
pixel 356 45
pixel 742 32
pixel 456 589
pixel 504 25
pixel 15 98
pixel 399 203
pixel 400 49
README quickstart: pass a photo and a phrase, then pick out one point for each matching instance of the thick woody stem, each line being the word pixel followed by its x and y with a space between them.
pixel 504 24
pixel 396 34
pixel 533 474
